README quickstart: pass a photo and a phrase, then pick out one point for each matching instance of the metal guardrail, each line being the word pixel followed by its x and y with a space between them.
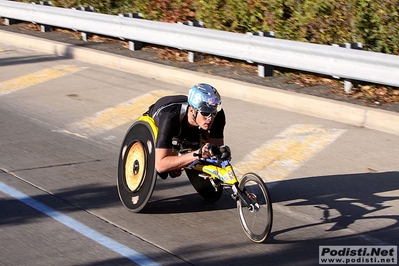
pixel 321 59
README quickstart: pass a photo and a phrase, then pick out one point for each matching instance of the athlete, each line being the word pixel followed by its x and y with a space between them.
pixel 194 122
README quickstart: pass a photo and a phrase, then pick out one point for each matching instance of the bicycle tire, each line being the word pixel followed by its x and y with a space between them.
pixel 136 167
pixel 256 224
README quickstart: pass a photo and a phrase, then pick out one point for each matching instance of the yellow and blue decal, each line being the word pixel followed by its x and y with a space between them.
pixel 226 175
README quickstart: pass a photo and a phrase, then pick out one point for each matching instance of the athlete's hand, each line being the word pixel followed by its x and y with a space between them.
pixel 222 151
pixel 205 151
pixel 214 150
pixel 209 150
pixel 225 152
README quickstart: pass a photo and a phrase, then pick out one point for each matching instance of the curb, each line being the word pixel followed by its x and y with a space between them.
pixel 347 113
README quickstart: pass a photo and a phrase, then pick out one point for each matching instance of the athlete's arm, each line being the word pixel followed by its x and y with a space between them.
pixel 166 161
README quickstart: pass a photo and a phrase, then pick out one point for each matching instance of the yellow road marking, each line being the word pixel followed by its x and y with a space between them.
pixel 36 78
pixel 123 113
pixel 277 158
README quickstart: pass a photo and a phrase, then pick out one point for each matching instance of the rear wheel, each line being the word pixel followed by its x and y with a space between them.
pixel 255 208
pixel 136 167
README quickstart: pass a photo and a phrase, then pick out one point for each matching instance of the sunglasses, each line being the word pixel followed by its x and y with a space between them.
pixel 208 115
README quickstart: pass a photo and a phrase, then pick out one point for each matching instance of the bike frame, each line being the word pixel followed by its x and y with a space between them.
pixel 224 172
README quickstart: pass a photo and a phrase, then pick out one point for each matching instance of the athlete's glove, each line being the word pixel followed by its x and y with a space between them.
pixel 225 152
pixel 222 151
pixel 214 150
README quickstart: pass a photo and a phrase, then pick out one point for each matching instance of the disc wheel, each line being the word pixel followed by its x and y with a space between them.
pixel 136 167
pixel 257 217
pixel 203 186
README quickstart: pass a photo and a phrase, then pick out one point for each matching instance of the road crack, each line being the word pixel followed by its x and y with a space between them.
pixel 56 165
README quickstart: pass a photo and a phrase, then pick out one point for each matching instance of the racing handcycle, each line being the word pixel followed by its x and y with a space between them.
pixel 209 177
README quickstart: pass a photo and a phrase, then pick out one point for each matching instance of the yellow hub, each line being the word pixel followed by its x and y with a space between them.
pixel 135 166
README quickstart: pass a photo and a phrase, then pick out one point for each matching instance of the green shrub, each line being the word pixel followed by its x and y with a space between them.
pixel 378 25
pixel 373 23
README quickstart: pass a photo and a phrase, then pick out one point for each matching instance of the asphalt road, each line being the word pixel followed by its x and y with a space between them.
pixel 61 125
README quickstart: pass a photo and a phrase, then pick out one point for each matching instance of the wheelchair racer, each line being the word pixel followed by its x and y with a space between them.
pixel 194 122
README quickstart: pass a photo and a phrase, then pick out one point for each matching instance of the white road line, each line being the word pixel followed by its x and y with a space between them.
pixel 78 227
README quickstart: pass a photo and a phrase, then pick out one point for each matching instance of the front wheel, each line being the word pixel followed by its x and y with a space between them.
pixel 255 208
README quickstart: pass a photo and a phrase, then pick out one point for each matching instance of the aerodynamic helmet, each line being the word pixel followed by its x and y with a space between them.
pixel 204 98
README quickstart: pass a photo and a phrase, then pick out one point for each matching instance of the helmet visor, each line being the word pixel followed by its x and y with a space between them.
pixel 210 108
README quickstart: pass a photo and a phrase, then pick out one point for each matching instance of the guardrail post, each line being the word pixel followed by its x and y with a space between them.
pixel 265 70
pixel 84 35
pixel 195 23
pixel 44 28
pixel 9 21
pixel 134 45
pixel 349 84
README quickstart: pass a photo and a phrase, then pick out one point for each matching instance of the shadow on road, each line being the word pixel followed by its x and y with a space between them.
pixel 338 201
pixel 342 200
pixel 188 203
pixel 24 60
